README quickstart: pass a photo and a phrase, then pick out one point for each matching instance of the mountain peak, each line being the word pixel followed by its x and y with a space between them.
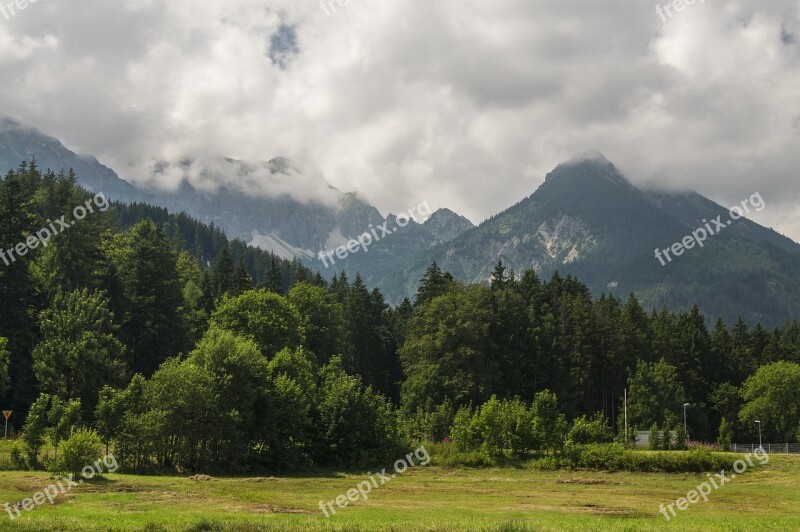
pixel 588 164
pixel 592 156
pixel 446 225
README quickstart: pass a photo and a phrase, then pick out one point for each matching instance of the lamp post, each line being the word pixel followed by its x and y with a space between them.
pixel 685 426
pixel 760 446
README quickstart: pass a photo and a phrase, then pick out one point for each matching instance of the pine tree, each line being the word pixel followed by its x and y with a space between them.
pixel 241 281
pixel 499 280
pixel 154 327
pixel 432 285
pixel 17 292
pixel 222 273
pixel 274 279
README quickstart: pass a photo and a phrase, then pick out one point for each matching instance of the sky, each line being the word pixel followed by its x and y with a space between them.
pixel 464 104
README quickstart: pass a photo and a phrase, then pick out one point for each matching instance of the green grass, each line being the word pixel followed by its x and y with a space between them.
pixel 765 498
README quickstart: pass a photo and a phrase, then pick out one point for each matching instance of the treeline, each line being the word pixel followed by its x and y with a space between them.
pixel 185 351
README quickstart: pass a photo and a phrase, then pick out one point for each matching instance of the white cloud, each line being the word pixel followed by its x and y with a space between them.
pixel 462 103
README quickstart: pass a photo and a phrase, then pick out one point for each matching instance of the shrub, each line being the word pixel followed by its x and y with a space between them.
pixel 465 437
pixel 615 457
pixel 655 438
pixel 594 430
pixel 18 454
pixel 83 448
pixel 504 428
pixel 681 438
pixel 725 435
pixel 434 425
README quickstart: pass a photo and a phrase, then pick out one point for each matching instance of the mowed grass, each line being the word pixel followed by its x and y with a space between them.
pixel 430 499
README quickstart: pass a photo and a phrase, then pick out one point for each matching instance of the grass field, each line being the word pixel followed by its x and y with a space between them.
pixel 765 498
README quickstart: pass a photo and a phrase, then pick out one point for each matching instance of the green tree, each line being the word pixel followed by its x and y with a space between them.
pixel 183 409
pixel 241 281
pixel 63 418
pixel 71 260
pixel 322 319
pixel 549 424
pixel 446 353
pixel 239 372
pixel 772 396
pixel 274 279
pixel 79 352
pixel 5 379
pixel 289 440
pixel 17 289
pixel 432 285
pixel 222 273
pixel 121 416
pixel 681 438
pixel 725 435
pixel 153 324
pixel 35 429
pixel 499 280
pixel 367 347
pixel 81 450
pixel 591 430
pixel 654 443
pixel 355 424
pixel 655 394
pixel 266 318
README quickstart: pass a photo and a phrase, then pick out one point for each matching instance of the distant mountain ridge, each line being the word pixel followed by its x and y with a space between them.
pixel 586 219
pixel 277 223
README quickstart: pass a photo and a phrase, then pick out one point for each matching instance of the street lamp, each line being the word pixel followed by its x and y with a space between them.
pixel 685 426
pixel 760 446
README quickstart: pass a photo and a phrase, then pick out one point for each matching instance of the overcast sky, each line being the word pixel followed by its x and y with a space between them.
pixel 465 104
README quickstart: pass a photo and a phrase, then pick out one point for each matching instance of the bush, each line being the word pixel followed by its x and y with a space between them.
pixel 83 448
pixel 18 454
pixel 434 425
pixel 615 457
pixel 655 438
pixel 725 435
pixel 508 428
pixel 448 455
pixel 594 430
pixel 681 438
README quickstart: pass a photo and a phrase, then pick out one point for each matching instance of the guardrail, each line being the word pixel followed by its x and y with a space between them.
pixel 777 448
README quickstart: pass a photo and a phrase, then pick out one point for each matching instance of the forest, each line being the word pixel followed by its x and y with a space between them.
pixel 184 351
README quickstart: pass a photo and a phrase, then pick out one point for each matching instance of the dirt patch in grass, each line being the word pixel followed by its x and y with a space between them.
pixel 588 482
pixel 271 509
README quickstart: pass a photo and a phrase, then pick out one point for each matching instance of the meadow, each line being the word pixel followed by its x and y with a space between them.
pixel 424 498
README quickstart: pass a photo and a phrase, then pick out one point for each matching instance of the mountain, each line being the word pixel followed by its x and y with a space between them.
pixel 383 262
pixel 21 143
pixel 259 210
pixel 278 223
pixel 588 220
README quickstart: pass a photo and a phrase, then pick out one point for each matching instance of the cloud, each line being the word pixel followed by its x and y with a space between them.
pixel 465 104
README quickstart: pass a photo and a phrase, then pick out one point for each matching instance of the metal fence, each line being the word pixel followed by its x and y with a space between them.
pixel 779 448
